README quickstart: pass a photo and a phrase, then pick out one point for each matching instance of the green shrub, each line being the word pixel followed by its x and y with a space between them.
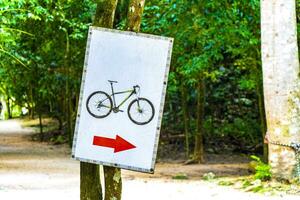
pixel 262 170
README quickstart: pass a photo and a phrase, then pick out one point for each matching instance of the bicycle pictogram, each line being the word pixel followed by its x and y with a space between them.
pixel 140 110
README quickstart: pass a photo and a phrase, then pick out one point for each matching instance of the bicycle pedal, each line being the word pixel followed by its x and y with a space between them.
pixel 121 110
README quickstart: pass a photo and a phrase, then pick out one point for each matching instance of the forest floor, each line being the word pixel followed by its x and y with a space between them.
pixel 35 170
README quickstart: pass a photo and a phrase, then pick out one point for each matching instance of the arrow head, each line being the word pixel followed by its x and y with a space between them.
pixel 122 145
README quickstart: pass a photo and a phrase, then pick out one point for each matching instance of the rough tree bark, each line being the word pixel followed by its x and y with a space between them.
pixel 90 186
pixel 134 16
pixel 281 83
pixel 113 183
pixel 105 13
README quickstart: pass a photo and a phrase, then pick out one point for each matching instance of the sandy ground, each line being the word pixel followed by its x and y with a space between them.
pixel 34 171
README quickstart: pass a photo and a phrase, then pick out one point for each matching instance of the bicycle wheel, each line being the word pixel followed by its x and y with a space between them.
pixel 140 111
pixel 99 104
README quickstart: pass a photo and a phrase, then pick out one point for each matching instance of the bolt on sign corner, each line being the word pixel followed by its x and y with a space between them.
pixel 121 99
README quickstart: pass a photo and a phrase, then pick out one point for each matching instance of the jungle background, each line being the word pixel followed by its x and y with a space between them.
pixel 214 100
pixel 43 48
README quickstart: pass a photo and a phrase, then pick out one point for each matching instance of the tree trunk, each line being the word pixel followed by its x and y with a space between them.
pixel 8 108
pixel 32 104
pixel 185 116
pixel 281 83
pixel 68 102
pixel 262 116
pixel 113 179
pixel 134 16
pixel 105 13
pixel 113 183
pixel 90 185
pixel 41 127
pixel 198 149
pixel 121 11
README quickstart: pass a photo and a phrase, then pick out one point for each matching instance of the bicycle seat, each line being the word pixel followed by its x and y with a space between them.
pixel 112 81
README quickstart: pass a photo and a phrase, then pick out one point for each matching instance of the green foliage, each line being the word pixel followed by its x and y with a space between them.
pixel 262 170
pixel 42 45
pixel 221 40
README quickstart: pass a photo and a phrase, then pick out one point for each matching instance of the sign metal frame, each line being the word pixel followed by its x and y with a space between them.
pixel 160 113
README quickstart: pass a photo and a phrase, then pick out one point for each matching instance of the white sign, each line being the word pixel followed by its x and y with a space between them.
pixel 121 99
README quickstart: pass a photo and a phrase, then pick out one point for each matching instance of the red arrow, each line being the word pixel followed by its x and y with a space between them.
pixel 119 144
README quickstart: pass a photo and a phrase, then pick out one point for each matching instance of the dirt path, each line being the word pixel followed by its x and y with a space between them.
pixel 34 171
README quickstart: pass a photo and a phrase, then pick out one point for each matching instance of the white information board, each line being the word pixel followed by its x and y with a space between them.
pixel 121 99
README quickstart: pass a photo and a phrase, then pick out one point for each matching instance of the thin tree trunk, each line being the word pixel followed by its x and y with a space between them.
pixel 185 116
pixel 68 111
pixel 281 83
pixel 105 13
pixel 134 15
pixel 121 11
pixel 198 149
pixel 113 179
pixel 113 183
pixel 90 185
pixel 262 116
pixel 41 127
pixel 32 110
pixel 70 120
pixel 8 107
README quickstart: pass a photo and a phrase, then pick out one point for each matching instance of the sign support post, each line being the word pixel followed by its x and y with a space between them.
pixel 90 185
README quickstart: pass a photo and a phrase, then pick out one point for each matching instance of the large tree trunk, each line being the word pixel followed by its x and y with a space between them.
pixel 281 83
pixel 90 186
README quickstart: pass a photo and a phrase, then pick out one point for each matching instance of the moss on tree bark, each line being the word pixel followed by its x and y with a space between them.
pixel 113 183
pixel 134 16
pixel 90 186
pixel 105 13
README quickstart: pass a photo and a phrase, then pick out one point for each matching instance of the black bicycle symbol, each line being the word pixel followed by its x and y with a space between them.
pixel 140 111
